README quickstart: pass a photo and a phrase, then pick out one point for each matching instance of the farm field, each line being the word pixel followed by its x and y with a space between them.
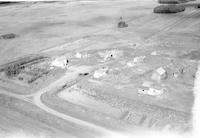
pixel 68 70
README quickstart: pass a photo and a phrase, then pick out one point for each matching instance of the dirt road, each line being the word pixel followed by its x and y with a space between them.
pixel 37 100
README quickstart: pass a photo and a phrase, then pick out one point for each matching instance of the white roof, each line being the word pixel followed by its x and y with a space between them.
pixel 160 71
pixel 60 62
pixel 99 73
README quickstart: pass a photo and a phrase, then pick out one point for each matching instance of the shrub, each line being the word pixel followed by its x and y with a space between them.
pixel 13 70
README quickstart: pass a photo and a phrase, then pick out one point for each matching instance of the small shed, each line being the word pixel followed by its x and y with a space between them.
pixel 159 74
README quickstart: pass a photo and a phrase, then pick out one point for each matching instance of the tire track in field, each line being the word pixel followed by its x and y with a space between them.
pixel 148 24
pixel 172 17
pixel 170 26
pixel 171 23
pixel 157 18
pixel 144 21
pixel 181 19
pixel 102 29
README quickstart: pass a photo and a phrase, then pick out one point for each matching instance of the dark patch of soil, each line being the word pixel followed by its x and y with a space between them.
pixel 173 1
pixel 168 1
pixel 164 9
pixel 8 36
pixel 197 6
pixel 193 55
pixel 6 3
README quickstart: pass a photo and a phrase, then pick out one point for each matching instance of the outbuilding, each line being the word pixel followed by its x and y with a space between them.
pixel 159 74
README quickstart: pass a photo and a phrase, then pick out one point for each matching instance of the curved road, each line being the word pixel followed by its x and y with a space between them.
pixel 60 82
